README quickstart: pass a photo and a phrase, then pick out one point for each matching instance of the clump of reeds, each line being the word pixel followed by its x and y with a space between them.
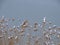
pixel 11 41
pixel 16 35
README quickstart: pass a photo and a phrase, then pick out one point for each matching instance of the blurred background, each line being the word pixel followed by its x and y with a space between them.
pixel 32 10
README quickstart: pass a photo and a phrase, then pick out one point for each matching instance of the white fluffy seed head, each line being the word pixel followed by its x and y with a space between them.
pixel 58 36
pixel 9 37
pixel 44 19
pixel 58 32
pixel 13 26
pixel 49 28
pixel 16 37
pixel 54 26
pixel 3 17
pixel 55 31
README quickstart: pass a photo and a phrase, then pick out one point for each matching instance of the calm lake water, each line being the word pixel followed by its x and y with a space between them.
pixel 33 10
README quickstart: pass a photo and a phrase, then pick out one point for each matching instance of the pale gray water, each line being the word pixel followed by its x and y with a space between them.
pixel 31 9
